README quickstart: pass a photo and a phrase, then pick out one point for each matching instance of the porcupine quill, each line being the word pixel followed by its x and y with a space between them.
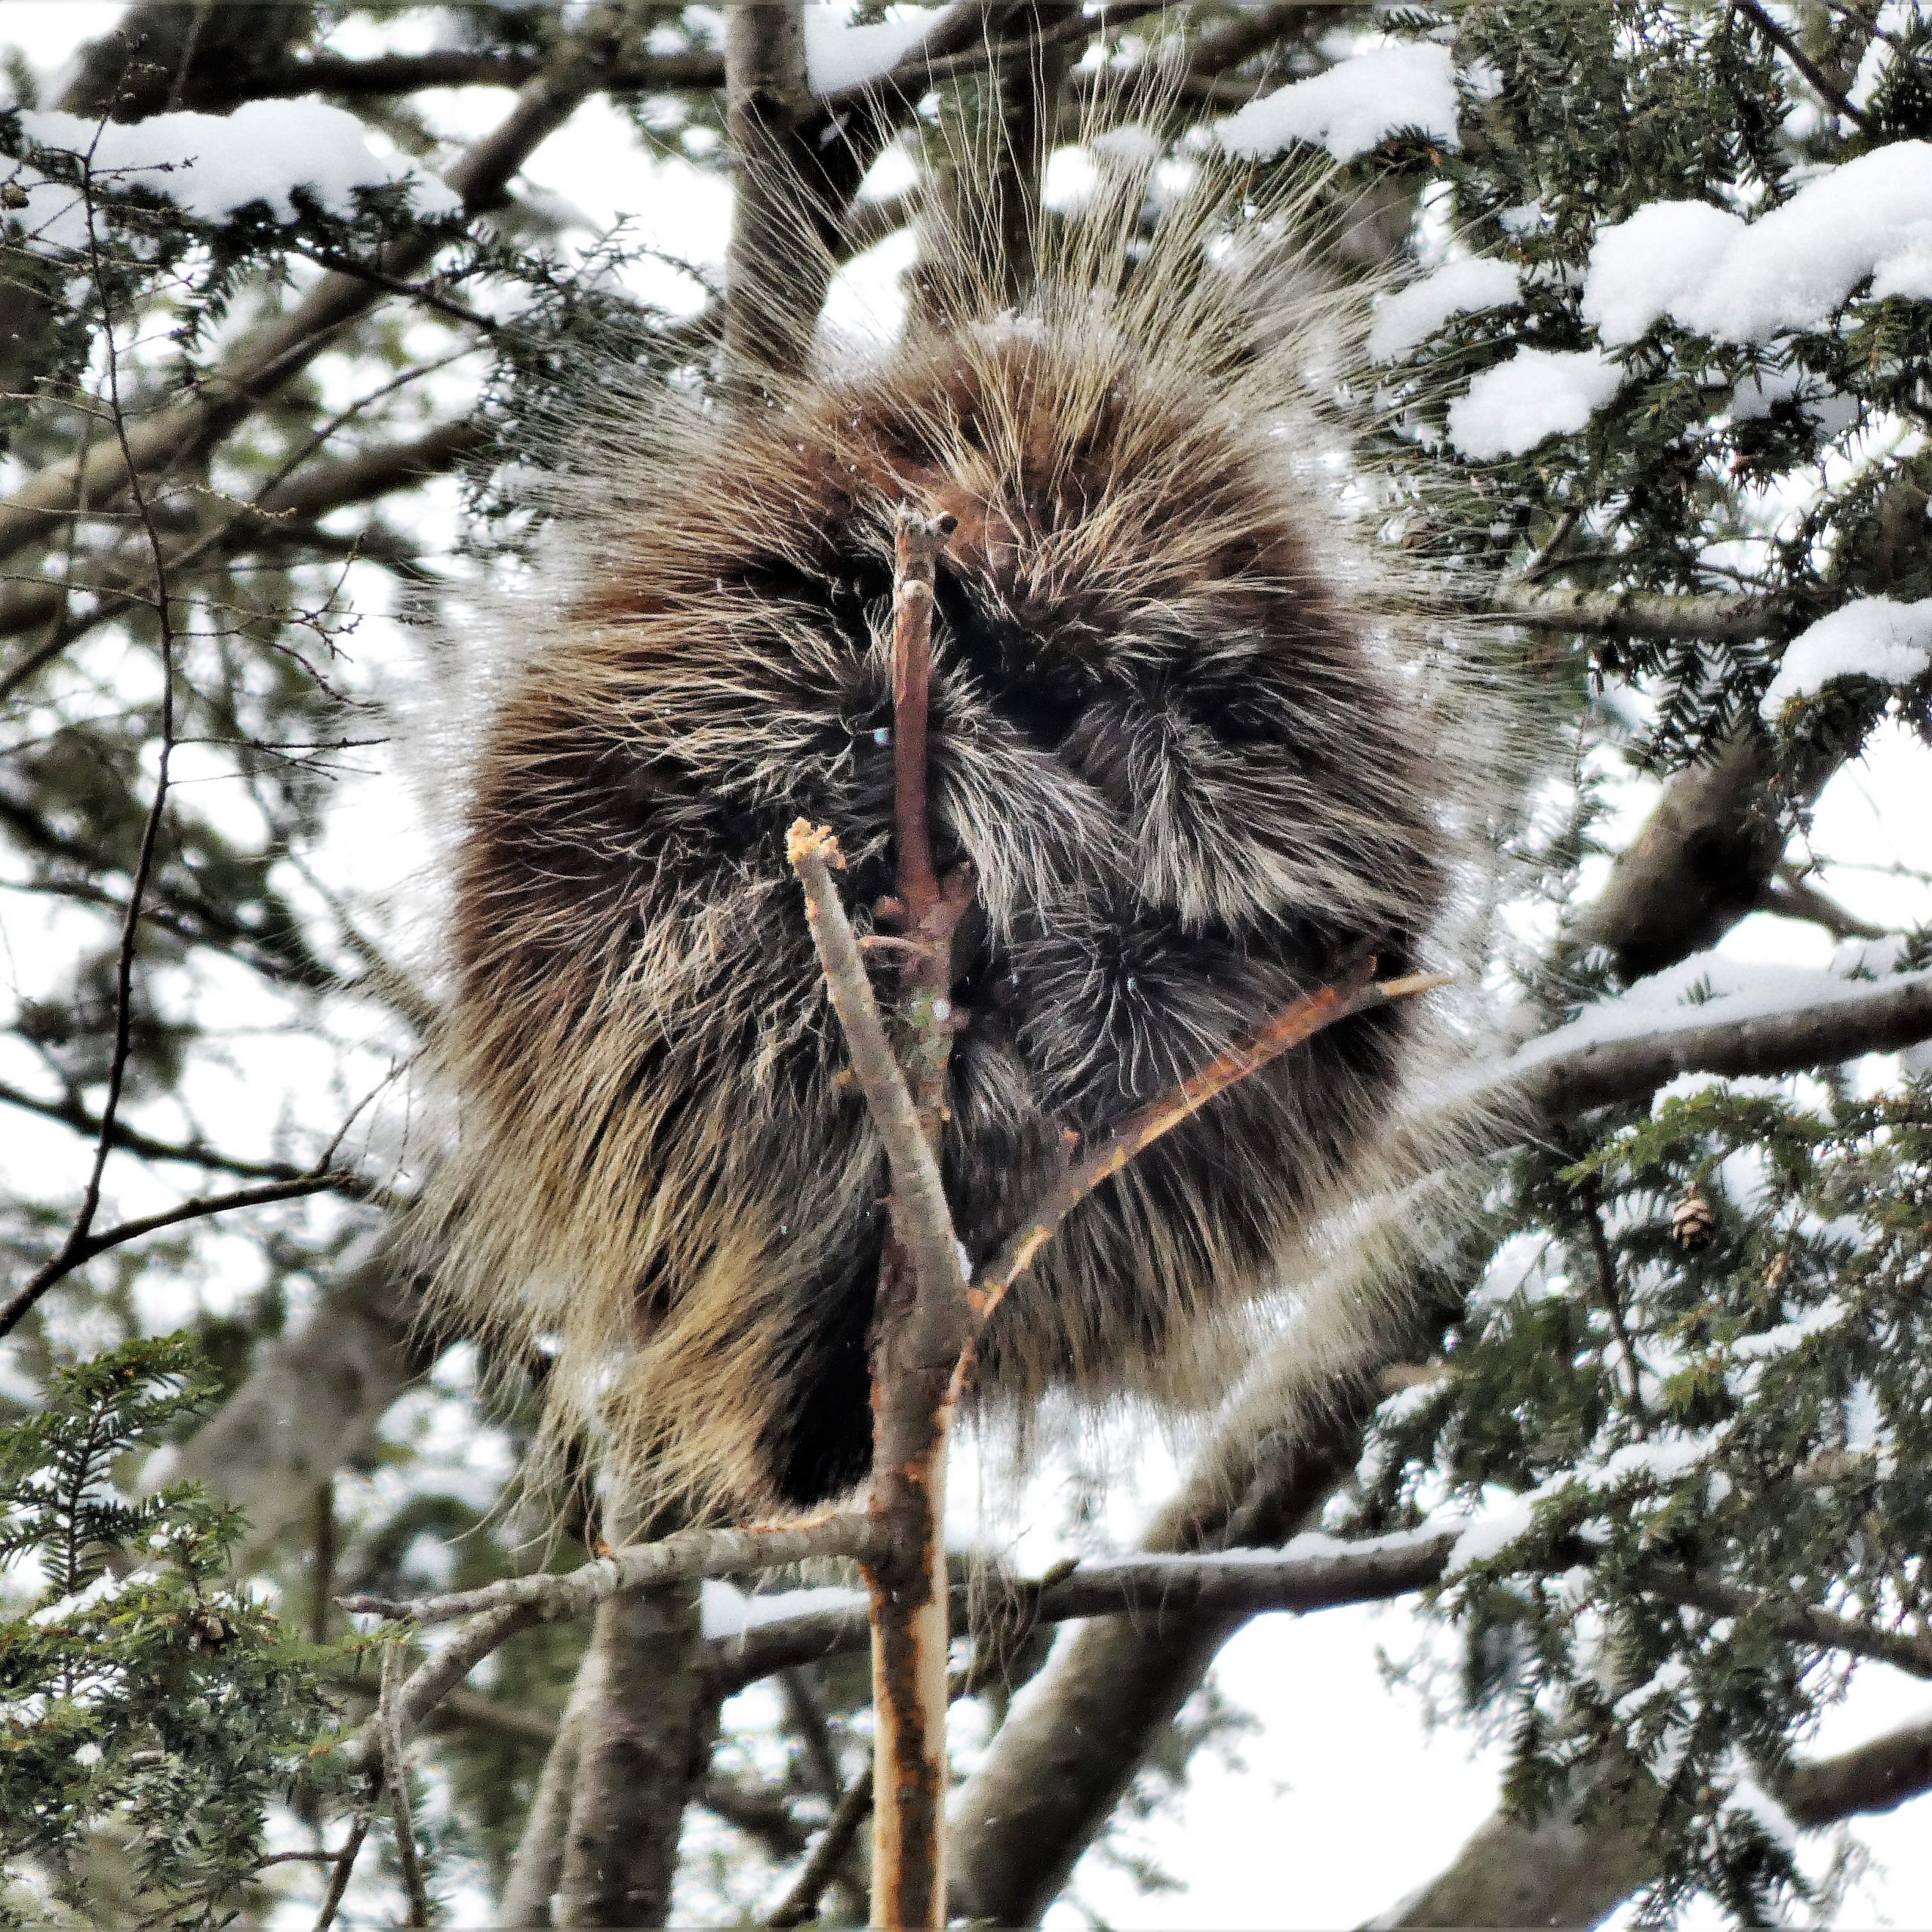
pixel 1176 729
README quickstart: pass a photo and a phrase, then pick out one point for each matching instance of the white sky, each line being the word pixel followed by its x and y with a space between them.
pixel 1347 1802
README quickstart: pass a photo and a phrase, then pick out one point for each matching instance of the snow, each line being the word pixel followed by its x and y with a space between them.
pixel 1789 1335
pixel 1695 1086
pixel 1492 1533
pixel 1670 1677
pixel 1870 637
pixel 1538 392
pixel 105 1588
pixel 1130 146
pixel 1663 1003
pixel 212 165
pixel 1749 1797
pixel 1662 1459
pixel 1518 1269
pixel 1410 315
pixel 1353 106
pixel 1638 267
pixel 725 1610
pixel 1310 1546
pixel 839 55
pixel 1742 281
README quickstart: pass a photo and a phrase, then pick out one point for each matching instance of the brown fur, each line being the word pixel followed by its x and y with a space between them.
pixel 1172 738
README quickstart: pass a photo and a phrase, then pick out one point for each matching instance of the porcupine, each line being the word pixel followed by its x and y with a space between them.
pixel 1172 731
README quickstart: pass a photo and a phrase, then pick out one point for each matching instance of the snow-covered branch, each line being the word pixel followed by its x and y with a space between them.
pixel 1626 1049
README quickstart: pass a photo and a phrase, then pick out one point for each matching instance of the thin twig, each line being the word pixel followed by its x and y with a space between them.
pixel 70 1113
pixel 345 1866
pixel 799 1906
pixel 123 969
pixel 1833 97
pixel 1352 994
pixel 74 1254
pixel 395 1777
pixel 921 1218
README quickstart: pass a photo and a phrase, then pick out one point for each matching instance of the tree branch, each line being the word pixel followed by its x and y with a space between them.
pixel 1712 618
pixel 77 1254
pixel 540 1853
pixel 635 1748
pixel 687 1557
pixel 1354 991
pixel 233 391
pixel 1546 1082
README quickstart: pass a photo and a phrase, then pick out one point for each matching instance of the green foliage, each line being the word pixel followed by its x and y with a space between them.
pixel 151 1711
pixel 1702 1431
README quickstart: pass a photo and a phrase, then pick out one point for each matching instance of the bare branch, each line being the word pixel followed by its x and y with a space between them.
pixel 1797 1624
pixel 1713 618
pixel 75 1254
pixel 540 1852
pixel 80 1245
pixel 922 1219
pixel 799 1906
pixel 345 1866
pixel 70 1113
pixel 1880 1776
pixel 636 1747
pixel 1546 1082
pixel 395 1777
pixel 773 301
pixel 1354 992
pixel 1787 43
pixel 687 1557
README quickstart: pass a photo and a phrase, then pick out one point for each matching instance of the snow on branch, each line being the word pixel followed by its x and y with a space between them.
pixel 1353 106
pixel 1735 280
pixel 1761 1020
pixel 1870 637
pixel 212 166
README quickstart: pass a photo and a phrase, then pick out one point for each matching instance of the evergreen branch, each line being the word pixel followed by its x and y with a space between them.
pixel 278 510
pixel 1797 1623
pixel 259 367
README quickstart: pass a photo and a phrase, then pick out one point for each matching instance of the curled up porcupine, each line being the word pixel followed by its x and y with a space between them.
pixel 1173 731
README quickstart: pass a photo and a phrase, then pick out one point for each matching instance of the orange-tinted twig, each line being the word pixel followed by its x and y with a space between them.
pixel 1298 1022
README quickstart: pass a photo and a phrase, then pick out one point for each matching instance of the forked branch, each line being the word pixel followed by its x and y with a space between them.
pixel 928 1316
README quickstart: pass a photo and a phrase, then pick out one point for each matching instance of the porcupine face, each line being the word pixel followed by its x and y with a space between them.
pixel 1189 787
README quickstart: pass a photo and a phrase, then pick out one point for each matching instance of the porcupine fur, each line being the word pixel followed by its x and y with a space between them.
pixel 1176 729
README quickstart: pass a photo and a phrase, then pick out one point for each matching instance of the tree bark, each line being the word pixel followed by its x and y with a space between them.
pixel 772 287
pixel 636 1758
